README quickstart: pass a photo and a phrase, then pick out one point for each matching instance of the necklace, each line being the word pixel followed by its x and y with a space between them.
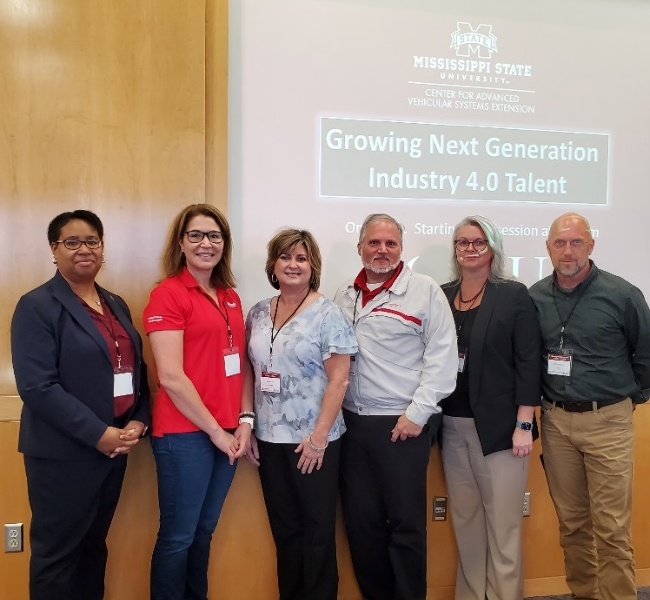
pixel 473 298
pixel 90 299
pixel 93 301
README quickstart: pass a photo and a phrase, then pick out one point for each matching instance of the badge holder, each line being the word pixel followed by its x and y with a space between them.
pixel 560 362
pixel 231 361
pixel 122 382
pixel 270 382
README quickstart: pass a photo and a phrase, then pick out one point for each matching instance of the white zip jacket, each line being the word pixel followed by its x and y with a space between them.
pixel 408 357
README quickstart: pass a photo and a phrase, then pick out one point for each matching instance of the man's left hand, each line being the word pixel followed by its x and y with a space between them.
pixel 405 428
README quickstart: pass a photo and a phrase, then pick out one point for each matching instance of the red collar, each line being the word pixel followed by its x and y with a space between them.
pixel 361 283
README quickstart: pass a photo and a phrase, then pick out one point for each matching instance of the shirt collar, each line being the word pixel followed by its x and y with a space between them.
pixel 361 284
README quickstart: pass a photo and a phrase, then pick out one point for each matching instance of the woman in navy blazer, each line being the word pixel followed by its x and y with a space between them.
pixel 488 421
pixel 79 371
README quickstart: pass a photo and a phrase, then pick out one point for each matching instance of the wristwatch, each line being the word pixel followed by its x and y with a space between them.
pixel 525 425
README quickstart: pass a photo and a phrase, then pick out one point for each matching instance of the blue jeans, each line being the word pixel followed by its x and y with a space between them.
pixel 193 479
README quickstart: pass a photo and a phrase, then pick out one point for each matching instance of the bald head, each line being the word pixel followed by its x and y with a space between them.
pixel 569 221
pixel 569 245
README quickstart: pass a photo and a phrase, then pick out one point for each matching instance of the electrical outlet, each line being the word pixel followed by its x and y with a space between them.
pixel 527 504
pixel 13 537
pixel 440 508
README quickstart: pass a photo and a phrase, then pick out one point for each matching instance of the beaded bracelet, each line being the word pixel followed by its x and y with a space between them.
pixel 316 448
pixel 247 413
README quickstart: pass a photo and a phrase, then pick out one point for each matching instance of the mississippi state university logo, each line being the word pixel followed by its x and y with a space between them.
pixel 473 41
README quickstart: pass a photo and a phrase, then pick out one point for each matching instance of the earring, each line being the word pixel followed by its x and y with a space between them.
pixel 274 279
pixel 53 259
pixel 103 259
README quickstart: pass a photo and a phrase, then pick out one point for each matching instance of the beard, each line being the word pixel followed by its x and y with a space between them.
pixel 570 271
pixel 381 271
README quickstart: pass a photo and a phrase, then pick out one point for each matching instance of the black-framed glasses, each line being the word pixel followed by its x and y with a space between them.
pixel 478 244
pixel 74 244
pixel 195 236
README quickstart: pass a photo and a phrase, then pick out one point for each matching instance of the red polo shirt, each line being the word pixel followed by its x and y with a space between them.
pixel 178 303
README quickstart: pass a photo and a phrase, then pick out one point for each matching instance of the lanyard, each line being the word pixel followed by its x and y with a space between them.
pixel 354 312
pixel 111 331
pixel 564 323
pixel 275 313
pixel 224 314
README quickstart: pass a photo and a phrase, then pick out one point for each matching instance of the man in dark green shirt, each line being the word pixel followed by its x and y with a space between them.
pixel 596 368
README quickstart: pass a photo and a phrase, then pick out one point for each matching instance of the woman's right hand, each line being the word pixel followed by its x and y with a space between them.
pixel 253 453
pixel 226 442
pixel 112 443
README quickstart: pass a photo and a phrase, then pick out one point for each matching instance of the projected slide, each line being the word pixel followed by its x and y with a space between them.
pixel 432 111
pixel 444 162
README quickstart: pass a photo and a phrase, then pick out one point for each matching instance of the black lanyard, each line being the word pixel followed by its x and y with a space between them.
pixel 354 312
pixel 564 323
pixel 275 313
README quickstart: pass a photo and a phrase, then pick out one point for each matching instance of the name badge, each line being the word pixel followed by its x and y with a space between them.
pixel 462 355
pixel 122 382
pixel 231 361
pixel 560 362
pixel 270 382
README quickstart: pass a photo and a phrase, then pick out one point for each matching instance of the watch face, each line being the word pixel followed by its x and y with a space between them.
pixel 524 425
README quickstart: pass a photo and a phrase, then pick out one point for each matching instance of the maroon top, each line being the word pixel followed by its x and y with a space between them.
pixel 112 331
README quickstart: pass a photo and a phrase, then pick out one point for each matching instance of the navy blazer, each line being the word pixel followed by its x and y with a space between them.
pixel 503 361
pixel 64 372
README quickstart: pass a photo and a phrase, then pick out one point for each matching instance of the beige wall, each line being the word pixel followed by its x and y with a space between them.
pixel 121 107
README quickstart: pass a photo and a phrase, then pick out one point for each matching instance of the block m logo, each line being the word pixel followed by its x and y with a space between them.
pixel 468 41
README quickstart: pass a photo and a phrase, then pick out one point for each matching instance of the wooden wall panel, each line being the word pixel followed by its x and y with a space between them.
pixel 14 508
pixel 103 107
pixel 121 107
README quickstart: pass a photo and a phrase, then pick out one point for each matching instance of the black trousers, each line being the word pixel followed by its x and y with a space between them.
pixel 73 503
pixel 302 514
pixel 384 495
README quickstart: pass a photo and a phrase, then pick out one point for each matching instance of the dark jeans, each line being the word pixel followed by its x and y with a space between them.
pixel 302 514
pixel 73 503
pixel 193 479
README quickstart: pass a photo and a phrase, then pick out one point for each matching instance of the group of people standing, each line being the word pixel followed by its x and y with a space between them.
pixel 322 395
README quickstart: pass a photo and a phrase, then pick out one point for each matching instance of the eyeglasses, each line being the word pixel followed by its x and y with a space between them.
pixel 195 236
pixel 575 244
pixel 74 244
pixel 478 244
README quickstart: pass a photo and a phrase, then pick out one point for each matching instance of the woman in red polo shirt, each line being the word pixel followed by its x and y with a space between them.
pixel 195 324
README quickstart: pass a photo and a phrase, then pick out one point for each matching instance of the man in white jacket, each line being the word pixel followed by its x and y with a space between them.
pixel 407 363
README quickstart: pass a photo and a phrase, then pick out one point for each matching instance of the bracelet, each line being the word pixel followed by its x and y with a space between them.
pixel 246 413
pixel 249 420
pixel 316 448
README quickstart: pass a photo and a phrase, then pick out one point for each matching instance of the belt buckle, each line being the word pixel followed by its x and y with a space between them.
pixel 576 407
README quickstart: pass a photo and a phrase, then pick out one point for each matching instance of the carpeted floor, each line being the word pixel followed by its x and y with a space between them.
pixel 643 594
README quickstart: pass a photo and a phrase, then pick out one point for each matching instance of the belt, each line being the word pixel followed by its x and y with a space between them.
pixel 585 406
